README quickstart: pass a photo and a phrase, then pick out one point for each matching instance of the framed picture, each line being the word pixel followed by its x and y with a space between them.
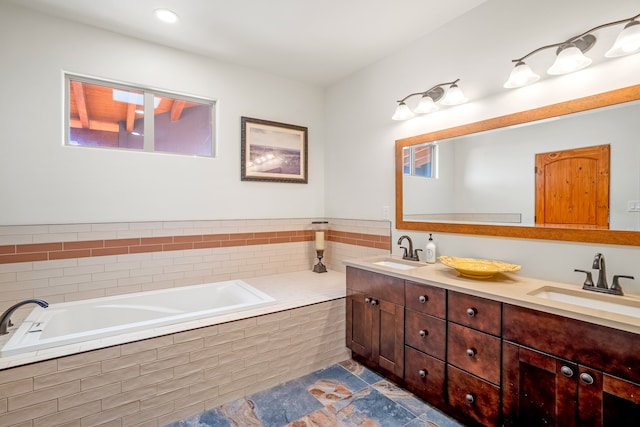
pixel 273 151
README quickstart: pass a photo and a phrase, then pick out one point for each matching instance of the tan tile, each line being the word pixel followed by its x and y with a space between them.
pixel 88 396
pixel 180 359
pixel 148 416
pixel 180 382
pixel 110 377
pixel 135 395
pixel 32 370
pixel 110 415
pixel 43 395
pixel 223 338
pixel 149 379
pixel 49 380
pixel 195 334
pixel 3 406
pixel 164 398
pixel 129 360
pixel 141 346
pixel 29 413
pixel 87 358
pixel 16 387
pixel 181 348
pixel 195 366
pixel 237 325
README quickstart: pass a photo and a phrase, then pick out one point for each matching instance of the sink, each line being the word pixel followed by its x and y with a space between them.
pixel 398 265
pixel 604 302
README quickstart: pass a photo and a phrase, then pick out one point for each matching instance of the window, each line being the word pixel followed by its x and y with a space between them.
pixel 105 114
pixel 420 160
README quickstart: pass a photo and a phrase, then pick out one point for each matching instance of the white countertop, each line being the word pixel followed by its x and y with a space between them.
pixel 291 290
pixel 511 288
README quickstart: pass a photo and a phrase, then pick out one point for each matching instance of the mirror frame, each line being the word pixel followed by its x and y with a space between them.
pixel 605 99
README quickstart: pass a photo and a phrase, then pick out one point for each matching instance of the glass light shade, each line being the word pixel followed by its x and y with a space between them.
pixel 454 96
pixel 402 112
pixel 426 105
pixel 521 75
pixel 569 59
pixel 627 42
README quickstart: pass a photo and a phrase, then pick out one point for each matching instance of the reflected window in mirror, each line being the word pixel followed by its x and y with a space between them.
pixel 421 160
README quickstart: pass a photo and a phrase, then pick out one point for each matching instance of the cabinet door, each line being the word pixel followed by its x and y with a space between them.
pixel 388 336
pixel 607 401
pixel 359 324
pixel 538 389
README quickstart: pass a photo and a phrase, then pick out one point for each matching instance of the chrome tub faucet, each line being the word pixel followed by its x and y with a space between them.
pixel 5 318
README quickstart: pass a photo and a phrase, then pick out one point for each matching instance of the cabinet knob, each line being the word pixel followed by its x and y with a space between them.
pixel 469 398
pixel 374 302
pixel 586 378
pixel 471 352
pixel 423 333
pixel 367 300
pixel 422 373
pixel 423 299
pixel 471 311
pixel 566 371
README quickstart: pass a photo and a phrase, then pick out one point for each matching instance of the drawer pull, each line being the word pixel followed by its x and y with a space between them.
pixel 374 302
pixel 423 333
pixel 471 352
pixel 423 299
pixel 422 373
pixel 566 371
pixel 586 378
pixel 471 311
pixel 367 300
pixel 469 398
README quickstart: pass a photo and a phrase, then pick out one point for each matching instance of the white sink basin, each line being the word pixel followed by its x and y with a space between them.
pixel 604 302
pixel 398 265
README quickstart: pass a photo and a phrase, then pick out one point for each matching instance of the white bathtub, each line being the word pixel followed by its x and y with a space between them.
pixel 74 322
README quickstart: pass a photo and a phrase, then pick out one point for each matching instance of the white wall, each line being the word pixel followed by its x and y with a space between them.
pixel 44 182
pixel 478 48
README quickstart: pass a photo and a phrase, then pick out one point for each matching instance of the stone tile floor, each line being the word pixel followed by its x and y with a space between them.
pixel 343 395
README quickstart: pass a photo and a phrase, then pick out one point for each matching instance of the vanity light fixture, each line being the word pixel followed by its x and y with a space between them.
pixel 570 53
pixel 450 96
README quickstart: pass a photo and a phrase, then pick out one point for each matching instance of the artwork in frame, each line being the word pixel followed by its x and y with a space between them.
pixel 273 151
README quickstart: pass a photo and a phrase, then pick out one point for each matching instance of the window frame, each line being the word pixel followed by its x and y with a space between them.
pixel 412 160
pixel 149 129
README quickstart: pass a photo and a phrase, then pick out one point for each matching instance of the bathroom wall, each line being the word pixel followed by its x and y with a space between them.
pixel 44 182
pixel 477 48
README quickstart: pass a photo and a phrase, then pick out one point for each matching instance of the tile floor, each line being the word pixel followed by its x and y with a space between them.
pixel 343 395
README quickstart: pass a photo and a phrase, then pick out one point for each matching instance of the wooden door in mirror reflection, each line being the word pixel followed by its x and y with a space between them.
pixel 572 188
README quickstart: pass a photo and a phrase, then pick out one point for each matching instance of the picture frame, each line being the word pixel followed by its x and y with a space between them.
pixel 273 151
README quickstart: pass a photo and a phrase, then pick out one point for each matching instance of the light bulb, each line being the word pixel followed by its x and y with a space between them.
pixel 569 59
pixel 627 42
pixel 402 112
pixel 521 75
pixel 454 96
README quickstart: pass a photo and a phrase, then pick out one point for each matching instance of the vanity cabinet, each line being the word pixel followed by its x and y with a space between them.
pixel 375 320
pixel 564 372
pixel 425 341
pixel 474 348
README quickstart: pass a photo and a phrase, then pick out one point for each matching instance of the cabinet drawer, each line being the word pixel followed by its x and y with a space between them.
pixel 475 352
pixel 426 299
pixel 478 313
pixel 424 376
pixel 473 397
pixel 376 285
pixel 425 333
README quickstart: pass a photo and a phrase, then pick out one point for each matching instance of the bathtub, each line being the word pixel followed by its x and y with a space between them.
pixel 74 322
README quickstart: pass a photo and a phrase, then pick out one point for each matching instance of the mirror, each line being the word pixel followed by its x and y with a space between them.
pixel 480 178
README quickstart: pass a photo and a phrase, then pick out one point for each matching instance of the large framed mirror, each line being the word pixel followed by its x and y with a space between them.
pixel 495 177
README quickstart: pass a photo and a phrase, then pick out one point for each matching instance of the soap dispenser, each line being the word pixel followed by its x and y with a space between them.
pixel 430 252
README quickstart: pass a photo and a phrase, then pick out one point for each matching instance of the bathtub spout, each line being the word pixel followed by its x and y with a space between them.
pixel 5 319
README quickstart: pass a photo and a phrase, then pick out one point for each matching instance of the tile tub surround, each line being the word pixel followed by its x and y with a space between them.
pixel 345 394
pixel 157 381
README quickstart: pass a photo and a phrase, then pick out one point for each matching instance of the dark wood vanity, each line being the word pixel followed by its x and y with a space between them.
pixel 490 363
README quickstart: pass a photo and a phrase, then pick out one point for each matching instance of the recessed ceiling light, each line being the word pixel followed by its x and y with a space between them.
pixel 166 15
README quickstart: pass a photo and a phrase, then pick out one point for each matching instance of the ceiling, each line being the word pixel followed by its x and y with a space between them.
pixel 314 41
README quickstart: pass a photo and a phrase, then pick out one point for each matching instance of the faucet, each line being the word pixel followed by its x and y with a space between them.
pixel 411 254
pixel 5 318
pixel 601 284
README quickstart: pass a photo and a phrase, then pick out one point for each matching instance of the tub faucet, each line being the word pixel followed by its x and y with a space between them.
pixel 411 254
pixel 5 319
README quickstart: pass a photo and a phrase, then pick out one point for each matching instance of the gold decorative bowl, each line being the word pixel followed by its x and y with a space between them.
pixel 478 268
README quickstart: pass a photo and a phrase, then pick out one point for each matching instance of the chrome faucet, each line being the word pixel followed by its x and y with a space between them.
pixel 410 254
pixel 601 284
pixel 5 319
